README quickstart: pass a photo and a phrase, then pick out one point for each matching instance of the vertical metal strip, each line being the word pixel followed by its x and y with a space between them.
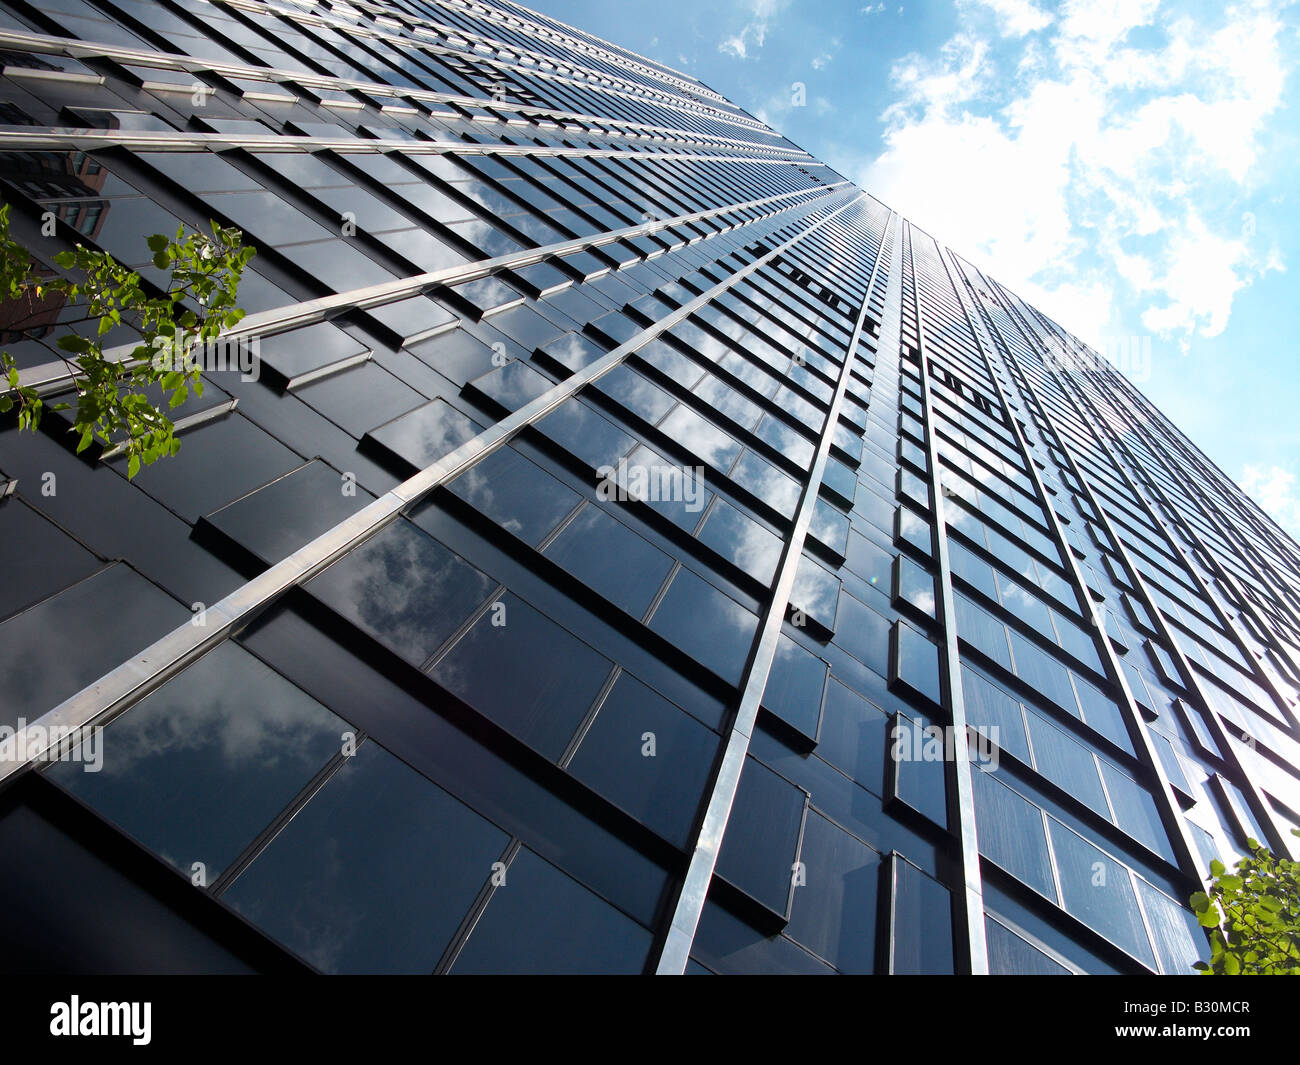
pixel 1278 839
pixel 961 796
pixel 1268 679
pixel 680 934
pixel 1170 812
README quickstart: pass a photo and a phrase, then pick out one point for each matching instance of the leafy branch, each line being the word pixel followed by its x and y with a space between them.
pixel 1252 915
pixel 113 400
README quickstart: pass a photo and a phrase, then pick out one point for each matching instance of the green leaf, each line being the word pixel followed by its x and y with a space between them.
pixel 1217 868
pixel 1200 902
pixel 132 466
pixel 157 242
pixel 74 343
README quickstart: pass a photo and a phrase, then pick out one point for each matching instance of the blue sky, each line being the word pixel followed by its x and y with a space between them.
pixel 1130 166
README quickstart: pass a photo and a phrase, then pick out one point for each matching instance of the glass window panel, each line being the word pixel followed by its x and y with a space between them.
pixel 976 626
pixel 523 671
pixel 39 558
pixel 1011 833
pixel 765 481
pixel 922 932
pixel 424 435
pixel 199 767
pixel 1102 714
pixel 1177 934
pixel 1066 763
pixel 916 661
pixel 1135 810
pixel 360 398
pixel 1026 606
pixel 404 588
pixel 374 874
pixel 1009 955
pixel 742 540
pixel 586 434
pixel 854 736
pixel 794 687
pixel 761 843
pixel 709 626
pixel 994 713
pixel 869 561
pixel 108 617
pixel 1042 672
pixel 606 555
pixel 648 757
pixel 515 493
pixel 511 386
pixel 834 912
pixel 863 633
pixel 218 461
pixel 729 945
pixel 1099 891
pixel 542 921
pixel 281 517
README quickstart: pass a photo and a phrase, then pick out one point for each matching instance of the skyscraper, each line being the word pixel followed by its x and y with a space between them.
pixel 629 547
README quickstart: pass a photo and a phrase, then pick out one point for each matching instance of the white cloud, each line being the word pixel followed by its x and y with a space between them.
pixel 759 14
pixel 1274 489
pixel 1093 162
pixel 872 9
pixel 1015 17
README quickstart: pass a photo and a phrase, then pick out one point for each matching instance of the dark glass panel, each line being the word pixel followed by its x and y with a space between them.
pixel 1010 955
pixel 922 932
pixel 1011 833
pixel 606 555
pixel 709 626
pixel 541 921
pixel 521 670
pixel 107 618
pixel 1099 891
pixel 404 588
pixel 374 874
pixel 761 843
pixel 515 493
pixel 199 767
pixel 39 558
pixel 281 517
pixel 834 911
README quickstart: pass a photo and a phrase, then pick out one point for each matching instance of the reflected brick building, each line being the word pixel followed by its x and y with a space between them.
pixel 640 549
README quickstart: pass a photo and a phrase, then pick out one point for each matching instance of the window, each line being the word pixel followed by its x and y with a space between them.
pixel 648 757
pixel 542 921
pixel 404 588
pixel 374 874
pixel 202 765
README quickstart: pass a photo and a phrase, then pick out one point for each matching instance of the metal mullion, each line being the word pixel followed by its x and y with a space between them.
pixel 634 92
pixel 89 140
pixel 115 691
pixel 1170 813
pixel 78 49
pixel 1286 547
pixel 1206 590
pixel 666 75
pixel 961 797
pixel 1208 509
pixel 282 319
pixel 1262 810
pixel 680 934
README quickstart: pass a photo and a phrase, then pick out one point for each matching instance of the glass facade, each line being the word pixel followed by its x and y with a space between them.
pixel 637 550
